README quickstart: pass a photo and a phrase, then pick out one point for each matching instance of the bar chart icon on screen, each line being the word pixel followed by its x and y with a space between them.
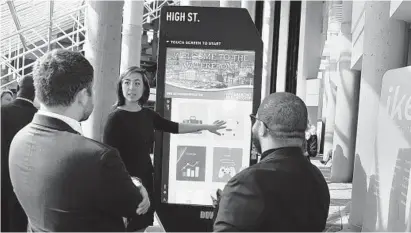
pixel 190 163
pixel 191 170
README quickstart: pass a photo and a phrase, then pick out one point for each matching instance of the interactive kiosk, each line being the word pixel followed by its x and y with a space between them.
pixel 209 68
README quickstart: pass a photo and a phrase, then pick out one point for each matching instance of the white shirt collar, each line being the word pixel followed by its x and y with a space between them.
pixel 27 100
pixel 70 121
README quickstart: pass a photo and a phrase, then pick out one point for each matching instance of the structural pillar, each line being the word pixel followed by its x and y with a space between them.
pixel 250 6
pixel 331 84
pixel 132 31
pixel 301 70
pixel 409 47
pixel 319 123
pixel 323 110
pixel 103 50
pixel 267 37
pixel 346 112
pixel 383 49
pixel 230 3
pixel 333 29
pixel 283 46
pixel 155 45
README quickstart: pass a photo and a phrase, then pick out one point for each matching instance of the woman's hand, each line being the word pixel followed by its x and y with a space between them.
pixel 145 203
pixel 217 125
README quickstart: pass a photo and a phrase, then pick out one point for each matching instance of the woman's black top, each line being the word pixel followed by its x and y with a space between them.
pixel 132 133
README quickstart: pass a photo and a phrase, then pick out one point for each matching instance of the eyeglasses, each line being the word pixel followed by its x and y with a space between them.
pixel 254 118
pixel 140 70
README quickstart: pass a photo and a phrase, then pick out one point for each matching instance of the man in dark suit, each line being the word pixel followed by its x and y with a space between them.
pixel 284 191
pixel 14 116
pixel 64 181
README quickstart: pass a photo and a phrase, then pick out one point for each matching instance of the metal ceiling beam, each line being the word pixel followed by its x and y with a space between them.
pixel 51 10
pixel 13 12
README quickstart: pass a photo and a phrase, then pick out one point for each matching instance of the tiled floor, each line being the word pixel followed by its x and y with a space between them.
pixel 340 199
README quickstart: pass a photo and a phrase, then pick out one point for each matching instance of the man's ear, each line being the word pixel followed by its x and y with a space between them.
pixel 82 97
pixel 261 129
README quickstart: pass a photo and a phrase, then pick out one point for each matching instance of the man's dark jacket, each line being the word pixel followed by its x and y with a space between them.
pixel 67 182
pixel 14 117
pixel 283 192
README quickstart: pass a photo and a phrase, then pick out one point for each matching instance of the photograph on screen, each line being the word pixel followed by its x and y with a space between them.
pixel 209 69
pixel 209 74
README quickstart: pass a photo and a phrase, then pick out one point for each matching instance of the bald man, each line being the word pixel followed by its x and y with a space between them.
pixel 284 191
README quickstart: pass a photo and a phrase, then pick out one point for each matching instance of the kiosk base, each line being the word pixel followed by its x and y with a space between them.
pixel 157 226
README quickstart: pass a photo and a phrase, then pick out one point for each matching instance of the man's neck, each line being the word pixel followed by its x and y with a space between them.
pixel 276 144
pixel 129 106
pixel 59 110
pixel 25 99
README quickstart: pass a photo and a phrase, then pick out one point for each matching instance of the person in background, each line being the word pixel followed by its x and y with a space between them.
pixel 63 180
pixel 312 141
pixel 304 148
pixel 14 116
pixel 327 156
pixel 283 192
pixel 130 128
pixel 14 91
pixel 6 97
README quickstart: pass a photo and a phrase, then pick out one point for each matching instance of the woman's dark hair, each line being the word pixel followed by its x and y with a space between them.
pixel 146 92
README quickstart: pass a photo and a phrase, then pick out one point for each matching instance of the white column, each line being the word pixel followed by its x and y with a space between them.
pixel 384 45
pixel 331 84
pixel 267 37
pixel 302 62
pixel 409 47
pixel 102 49
pixel 250 6
pixel 131 35
pixel 283 46
pixel 346 112
pixel 302 88
pixel 334 27
pixel 323 110
pixel 321 107
pixel 230 3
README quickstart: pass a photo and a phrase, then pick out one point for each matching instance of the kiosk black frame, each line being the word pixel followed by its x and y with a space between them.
pixel 234 28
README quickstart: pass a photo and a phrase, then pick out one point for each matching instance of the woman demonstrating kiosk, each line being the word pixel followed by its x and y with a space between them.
pixel 130 129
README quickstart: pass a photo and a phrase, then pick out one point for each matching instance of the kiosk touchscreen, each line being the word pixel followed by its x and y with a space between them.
pixel 209 70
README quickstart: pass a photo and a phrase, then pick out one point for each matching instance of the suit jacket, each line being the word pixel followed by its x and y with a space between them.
pixel 67 182
pixel 283 192
pixel 14 117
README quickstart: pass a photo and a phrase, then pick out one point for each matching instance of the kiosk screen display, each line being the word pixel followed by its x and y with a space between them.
pixel 202 86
